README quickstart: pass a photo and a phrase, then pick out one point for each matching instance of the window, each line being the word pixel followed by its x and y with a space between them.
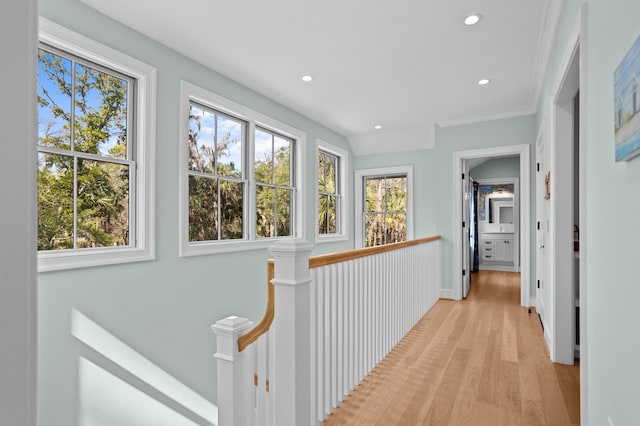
pixel 216 175
pixel 331 184
pixel 95 144
pixel 385 206
pixel 274 184
pixel 241 171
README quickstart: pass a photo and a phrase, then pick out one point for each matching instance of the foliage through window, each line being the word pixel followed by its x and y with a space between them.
pixel 274 184
pixel 216 175
pixel 385 212
pixel 219 163
pixel 328 194
pixel 86 161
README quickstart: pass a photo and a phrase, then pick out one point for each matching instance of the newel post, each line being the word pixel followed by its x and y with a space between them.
pixel 291 329
pixel 234 373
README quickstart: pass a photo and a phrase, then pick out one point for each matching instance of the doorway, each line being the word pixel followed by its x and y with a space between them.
pixel 499 213
pixel 561 296
pixel 460 166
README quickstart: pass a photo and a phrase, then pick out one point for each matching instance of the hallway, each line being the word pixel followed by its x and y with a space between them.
pixel 481 361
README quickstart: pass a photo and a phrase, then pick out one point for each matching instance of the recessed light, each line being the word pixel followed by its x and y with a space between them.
pixel 472 19
pixel 307 78
pixel 484 81
pixel 377 127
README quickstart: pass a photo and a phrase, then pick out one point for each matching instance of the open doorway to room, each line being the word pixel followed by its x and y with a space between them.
pixel 561 295
pixel 498 214
pixel 462 162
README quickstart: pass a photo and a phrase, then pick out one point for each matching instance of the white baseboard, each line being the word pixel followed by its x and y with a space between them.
pixel 447 294
pixel 532 302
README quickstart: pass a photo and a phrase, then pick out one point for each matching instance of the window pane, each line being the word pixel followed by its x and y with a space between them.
pixel 231 208
pixel 54 100
pixel 100 125
pixel 263 157
pixel 395 228
pixel 265 208
pixel 284 212
pixel 321 169
pixel 373 230
pixel 203 209
pixel 202 126
pixel 323 204
pixel 374 194
pixel 103 204
pixel 331 173
pixel 331 214
pixel 396 194
pixel 229 147
pixel 55 202
pixel 282 161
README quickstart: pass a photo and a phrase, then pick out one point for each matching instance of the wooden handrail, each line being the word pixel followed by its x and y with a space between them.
pixel 329 259
pixel 315 262
pixel 263 326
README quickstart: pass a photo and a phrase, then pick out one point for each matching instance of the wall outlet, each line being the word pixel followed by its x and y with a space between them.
pixel 610 421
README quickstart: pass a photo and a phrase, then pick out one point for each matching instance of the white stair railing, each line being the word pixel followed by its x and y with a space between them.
pixel 336 316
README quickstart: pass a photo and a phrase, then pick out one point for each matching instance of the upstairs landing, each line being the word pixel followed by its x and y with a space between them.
pixel 481 361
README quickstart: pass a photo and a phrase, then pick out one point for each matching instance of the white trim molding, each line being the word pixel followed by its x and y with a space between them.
pixel 447 294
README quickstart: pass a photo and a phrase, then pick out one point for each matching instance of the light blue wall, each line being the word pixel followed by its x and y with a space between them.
pixel 433 177
pixel 162 309
pixel 497 168
pixel 613 203
pixel 612 212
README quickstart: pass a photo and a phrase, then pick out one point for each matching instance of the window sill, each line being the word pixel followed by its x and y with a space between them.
pixel 57 261
pixel 330 238
pixel 208 247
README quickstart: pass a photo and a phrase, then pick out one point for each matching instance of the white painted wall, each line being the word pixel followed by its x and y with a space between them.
pixel 18 301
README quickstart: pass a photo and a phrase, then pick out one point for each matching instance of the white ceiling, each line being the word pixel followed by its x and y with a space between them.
pixel 405 65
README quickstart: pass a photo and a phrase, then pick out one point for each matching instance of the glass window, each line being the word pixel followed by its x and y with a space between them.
pixel 329 202
pixel 95 145
pixel 216 175
pixel 385 214
pixel 274 184
pixel 238 176
pixel 85 160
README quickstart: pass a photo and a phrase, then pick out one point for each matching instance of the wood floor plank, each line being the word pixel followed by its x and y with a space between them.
pixel 468 394
pixel 481 361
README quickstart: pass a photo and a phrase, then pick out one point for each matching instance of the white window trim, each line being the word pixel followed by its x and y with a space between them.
pixel 143 242
pixel 343 182
pixel 359 198
pixel 192 93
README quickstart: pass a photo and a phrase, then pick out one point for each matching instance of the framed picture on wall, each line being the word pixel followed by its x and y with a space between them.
pixel 626 86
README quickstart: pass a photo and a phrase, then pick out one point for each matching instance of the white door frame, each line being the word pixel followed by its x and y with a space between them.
pixel 561 304
pixel 525 212
pixel 466 279
pixel 541 229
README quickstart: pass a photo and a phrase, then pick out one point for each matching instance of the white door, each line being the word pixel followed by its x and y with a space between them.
pixel 541 229
pixel 466 242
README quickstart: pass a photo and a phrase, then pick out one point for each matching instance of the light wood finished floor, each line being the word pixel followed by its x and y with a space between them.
pixel 481 361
